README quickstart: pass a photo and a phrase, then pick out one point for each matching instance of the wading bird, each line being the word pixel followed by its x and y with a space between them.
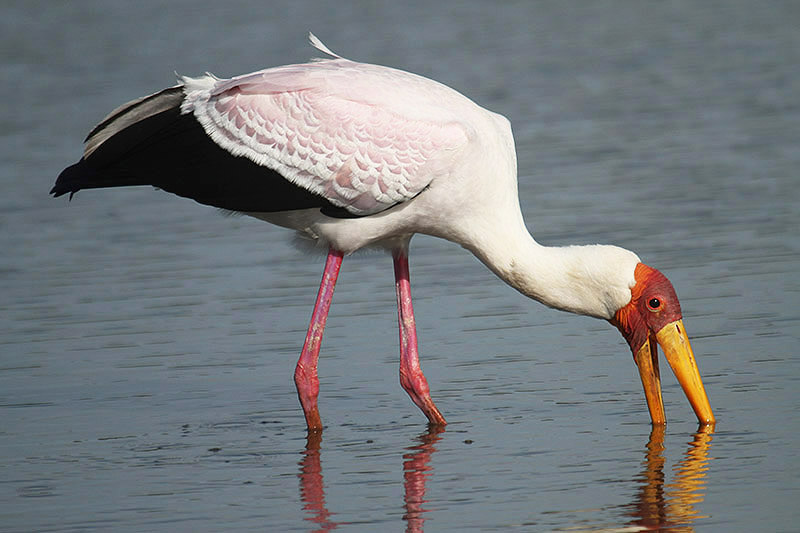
pixel 355 155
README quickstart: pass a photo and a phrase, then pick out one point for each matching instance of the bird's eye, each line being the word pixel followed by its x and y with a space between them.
pixel 654 304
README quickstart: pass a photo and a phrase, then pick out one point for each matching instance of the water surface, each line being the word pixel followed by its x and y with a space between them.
pixel 147 343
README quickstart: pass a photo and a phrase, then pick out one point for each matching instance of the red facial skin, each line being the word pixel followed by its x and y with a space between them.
pixel 643 316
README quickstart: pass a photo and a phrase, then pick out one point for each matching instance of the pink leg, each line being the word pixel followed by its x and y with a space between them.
pixel 305 373
pixel 411 377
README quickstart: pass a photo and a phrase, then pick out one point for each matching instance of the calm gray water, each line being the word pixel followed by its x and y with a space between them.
pixel 147 343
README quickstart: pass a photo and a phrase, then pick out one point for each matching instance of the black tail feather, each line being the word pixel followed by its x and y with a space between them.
pixel 150 142
pixel 82 175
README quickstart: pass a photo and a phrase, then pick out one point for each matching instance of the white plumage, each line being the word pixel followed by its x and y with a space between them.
pixel 345 130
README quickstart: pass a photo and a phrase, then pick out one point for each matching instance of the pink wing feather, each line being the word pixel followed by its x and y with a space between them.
pixel 362 136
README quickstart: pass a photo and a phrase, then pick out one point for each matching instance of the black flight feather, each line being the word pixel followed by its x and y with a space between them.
pixel 149 142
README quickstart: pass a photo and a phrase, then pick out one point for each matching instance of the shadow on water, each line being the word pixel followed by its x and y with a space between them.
pixel 416 471
pixel 671 506
pixel 659 505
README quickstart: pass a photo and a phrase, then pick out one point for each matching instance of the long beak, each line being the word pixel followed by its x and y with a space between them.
pixel 678 351
pixel 647 361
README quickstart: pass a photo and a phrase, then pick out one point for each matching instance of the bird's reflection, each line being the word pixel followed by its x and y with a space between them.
pixel 416 471
pixel 658 506
pixel 312 489
pixel 671 506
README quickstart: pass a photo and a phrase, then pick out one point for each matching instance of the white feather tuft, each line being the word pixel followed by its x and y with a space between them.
pixel 319 45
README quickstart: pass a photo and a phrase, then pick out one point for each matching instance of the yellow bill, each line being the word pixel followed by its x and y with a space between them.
pixel 678 351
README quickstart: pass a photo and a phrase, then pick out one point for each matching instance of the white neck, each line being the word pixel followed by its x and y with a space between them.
pixel 592 280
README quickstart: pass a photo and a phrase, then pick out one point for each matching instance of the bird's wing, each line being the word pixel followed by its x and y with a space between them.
pixel 363 137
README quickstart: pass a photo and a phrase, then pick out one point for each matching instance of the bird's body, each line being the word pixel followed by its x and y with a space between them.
pixel 354 155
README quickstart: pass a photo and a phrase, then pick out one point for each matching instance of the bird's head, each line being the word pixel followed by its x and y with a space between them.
pixel 653 317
